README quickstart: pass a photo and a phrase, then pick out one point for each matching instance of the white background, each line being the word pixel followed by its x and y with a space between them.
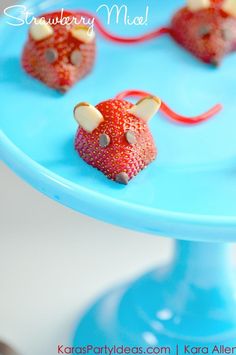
pixel 54 262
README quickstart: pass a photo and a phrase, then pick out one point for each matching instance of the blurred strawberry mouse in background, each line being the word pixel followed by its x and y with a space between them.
pixel 59 55
pixel 207 28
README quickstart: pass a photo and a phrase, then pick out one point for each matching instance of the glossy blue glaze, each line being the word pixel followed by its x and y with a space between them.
pixel 192 301
pixel 189 192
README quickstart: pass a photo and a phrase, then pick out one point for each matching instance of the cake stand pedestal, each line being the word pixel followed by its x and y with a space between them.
pixel 189 303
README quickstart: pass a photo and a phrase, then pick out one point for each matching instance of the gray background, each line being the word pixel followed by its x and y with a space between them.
pixel 54 262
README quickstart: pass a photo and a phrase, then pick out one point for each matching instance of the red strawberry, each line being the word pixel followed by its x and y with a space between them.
pixel 209 33
pixel 57 54
pixel 114 136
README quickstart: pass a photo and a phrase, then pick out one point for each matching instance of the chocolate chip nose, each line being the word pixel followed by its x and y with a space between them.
pixel 215 62
pixel 122 178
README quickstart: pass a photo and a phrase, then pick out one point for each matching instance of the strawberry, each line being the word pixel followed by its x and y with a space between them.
pixel 57 54
pixel 114 136
pixel 208 32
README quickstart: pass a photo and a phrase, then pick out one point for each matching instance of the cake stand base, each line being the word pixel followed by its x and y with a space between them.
pixel 189 304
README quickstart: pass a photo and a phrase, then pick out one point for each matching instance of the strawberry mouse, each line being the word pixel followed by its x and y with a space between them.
pixel 207 28
pixel 114 136
pixel 59 55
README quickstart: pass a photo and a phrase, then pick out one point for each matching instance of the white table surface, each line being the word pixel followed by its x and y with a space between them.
pixel 54 262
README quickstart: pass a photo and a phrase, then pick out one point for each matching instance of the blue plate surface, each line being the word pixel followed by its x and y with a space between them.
pixel 189 192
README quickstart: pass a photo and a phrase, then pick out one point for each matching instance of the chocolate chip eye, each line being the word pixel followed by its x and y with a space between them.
pixel 226 34
pixel 104 140
pixel 204 31
pixel 130 137
pixel 76 57
pixel 51 55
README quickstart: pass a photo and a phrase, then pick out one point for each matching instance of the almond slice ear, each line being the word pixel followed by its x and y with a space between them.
pixel 87 116
pixel 146 108
pixel 83 34
pixel 196 5
pixel 40 31
pixel 229 6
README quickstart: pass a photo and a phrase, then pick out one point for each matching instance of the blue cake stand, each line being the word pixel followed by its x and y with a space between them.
pixel 188 193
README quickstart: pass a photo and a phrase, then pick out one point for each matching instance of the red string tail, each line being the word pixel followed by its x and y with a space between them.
pixel 169 112
pixel 125 40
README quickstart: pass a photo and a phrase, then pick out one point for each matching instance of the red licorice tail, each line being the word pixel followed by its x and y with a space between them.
pixel 125 40
pixel 167 110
